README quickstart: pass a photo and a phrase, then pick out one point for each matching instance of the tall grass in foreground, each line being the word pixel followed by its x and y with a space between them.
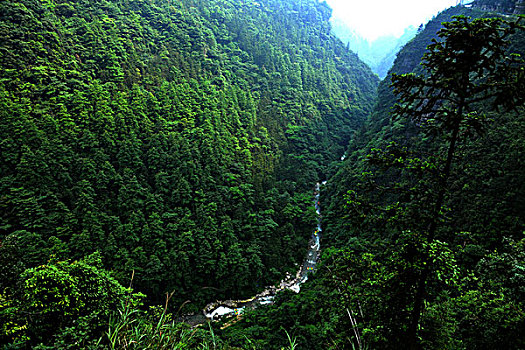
pixel 133 328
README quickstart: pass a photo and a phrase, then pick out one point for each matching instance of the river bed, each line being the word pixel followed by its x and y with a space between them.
pixel 229 308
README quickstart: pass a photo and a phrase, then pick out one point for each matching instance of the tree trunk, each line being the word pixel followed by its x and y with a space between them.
pixel 420 292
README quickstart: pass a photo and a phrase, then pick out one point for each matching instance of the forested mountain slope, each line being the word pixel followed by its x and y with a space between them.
pixel 380 53
pixel 172 146
pixel 380 130
pixel 406 269
pixel 179 139
pixel 380 205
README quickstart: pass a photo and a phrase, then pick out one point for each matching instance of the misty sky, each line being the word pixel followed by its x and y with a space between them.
pixel 374 18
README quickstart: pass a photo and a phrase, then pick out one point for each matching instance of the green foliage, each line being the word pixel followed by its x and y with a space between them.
pixel 160 134
pixel 383 198
pixel 61 303
pixel 181 140
pixel 131 328
pixel 467 66
pixel 462 74
pixel 291 341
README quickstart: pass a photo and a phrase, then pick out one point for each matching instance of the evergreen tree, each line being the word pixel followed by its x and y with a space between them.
pixel 467 67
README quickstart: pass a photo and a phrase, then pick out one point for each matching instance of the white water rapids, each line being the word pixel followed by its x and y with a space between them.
pixel 218 309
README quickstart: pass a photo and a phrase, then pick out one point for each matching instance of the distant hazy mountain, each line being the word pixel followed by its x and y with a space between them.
pixel 378 54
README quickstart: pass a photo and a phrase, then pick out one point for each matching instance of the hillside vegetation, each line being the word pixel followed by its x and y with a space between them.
pixel 422 255
pixel 178 140
pixel 401 273
pixel 158 155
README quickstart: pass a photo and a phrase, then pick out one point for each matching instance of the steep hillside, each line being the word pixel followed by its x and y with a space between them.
pixel 380 53
pixel 419 252
pixel 379 206
pixel 179 139
pixel 501 6
pixel 379 129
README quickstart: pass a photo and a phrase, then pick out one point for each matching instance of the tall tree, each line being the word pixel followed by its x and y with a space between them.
pixel 468 68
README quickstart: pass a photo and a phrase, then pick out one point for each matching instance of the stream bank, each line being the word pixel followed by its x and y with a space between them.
pixel 219 309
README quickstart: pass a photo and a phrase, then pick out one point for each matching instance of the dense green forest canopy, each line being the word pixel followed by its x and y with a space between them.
pixel 178 140
pixel 164 152
pixel 467 276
